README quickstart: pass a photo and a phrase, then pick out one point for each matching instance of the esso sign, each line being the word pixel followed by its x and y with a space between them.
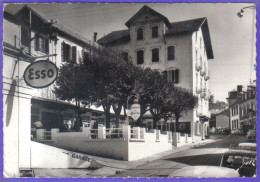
pixel 40 74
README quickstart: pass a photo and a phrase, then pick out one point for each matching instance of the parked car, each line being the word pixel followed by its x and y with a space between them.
pixel 251 136
pixel 223 131
pixel 236 131
pixel 242 160
pixel 205 172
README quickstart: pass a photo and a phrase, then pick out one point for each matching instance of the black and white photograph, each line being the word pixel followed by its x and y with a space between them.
pixel 153 90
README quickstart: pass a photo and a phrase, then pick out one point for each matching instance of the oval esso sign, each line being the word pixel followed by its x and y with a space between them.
pixel 40 74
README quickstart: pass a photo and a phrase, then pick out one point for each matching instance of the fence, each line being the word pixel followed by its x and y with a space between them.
pixel 124 143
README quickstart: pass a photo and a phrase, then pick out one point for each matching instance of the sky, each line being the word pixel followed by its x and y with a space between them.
pixel 233 38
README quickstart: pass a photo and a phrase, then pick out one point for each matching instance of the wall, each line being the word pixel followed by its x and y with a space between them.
pixel 222 121
pixel 43 154
pixel 126 148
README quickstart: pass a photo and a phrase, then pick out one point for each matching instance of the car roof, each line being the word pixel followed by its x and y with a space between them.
pixel 239 151
pixel 247 144
pixel 205 171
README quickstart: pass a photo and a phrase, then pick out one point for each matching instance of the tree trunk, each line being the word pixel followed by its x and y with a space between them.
pixel 117 113
pixel 108 116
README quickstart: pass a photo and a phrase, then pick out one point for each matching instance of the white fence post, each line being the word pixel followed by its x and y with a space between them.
pixel 142 133
pixel 186 138
pixel 136 132
pixel 158 132
pixel 86 132
pixel 54 132
pixel 101 132
pixel 126 129
pixel 169 134
pixel 40 134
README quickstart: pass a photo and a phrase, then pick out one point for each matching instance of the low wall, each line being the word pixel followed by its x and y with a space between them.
pixel 149 146
pixel 44 156
pixel 131 144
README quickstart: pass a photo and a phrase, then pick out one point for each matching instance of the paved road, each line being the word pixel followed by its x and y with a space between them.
pixel 209 154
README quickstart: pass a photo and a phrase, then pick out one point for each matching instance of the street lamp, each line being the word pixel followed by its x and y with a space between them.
pixel 127 102
pixel 240 14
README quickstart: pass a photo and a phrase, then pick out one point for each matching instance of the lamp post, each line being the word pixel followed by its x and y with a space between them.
pixel 127 106
pixel 240 14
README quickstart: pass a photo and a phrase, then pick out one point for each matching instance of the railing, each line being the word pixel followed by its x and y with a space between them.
pixel 46 135
pixel 207 76
pixel 114 133
pixel 198 67
pixel 93 133
pixel 132 135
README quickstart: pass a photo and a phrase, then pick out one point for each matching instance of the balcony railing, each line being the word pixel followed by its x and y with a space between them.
pixel 198 67
pixel 207 76
pixel 198 90
pixel 203 94
pixel 203 72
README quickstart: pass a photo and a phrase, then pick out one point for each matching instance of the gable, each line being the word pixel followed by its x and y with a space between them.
pixel 146 11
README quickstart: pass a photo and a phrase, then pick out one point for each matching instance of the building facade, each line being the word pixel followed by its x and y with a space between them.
pixel 182 49
pixel 28 37
pixel 242 107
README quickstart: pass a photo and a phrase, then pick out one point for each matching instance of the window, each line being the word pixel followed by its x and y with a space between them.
pixel 173 76
pixel 140 34
pixel 125 56
pixel 25 38
pixel 155 32
pixel 171 53
pixel 68 52
pixel 140 57
pixel 155 55
pixel 42 44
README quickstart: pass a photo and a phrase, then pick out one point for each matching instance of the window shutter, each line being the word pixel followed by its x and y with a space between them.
pixel 173 76
pixel 37 43
pixel 177 76
pixel 47 45
pixel 74 53
pixel 62 51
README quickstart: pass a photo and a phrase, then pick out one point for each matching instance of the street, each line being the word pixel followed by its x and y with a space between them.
pixel 208 154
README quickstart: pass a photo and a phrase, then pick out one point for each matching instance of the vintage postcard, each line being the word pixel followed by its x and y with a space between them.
pixel 150 90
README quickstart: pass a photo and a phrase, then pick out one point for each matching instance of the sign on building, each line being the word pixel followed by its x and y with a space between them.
pixel 135 111
pixel 40 74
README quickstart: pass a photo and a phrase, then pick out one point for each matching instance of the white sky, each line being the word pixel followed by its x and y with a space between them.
pixel 232 38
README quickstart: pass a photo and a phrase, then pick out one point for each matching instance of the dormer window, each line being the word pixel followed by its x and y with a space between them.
pixel 154 32
pixel 140 35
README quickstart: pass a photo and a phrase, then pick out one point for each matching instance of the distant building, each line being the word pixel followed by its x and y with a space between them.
pixel 180 49
pixel 242 107
pixel 222 119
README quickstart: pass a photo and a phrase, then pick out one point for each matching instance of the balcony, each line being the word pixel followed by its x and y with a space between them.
pixel 203 72
pixel 198 91
pixel 203 94
pixel 198 67
pixel 207 76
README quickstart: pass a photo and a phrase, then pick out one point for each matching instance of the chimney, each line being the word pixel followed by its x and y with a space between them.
pixel 95 37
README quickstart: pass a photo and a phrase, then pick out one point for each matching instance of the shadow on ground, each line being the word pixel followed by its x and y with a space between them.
pixel 205 159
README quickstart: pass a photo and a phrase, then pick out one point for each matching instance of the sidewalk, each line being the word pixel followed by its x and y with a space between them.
pixel 101 167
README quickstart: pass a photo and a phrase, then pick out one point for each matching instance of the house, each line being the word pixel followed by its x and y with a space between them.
pixel 181 49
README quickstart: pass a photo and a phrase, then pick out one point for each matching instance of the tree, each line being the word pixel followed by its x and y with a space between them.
pixel 152 88
pixel 180 100
pixel 112 77
pixel 74 84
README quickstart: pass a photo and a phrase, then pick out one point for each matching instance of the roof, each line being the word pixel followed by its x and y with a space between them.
pixel 115 36
pixel 173 28
pixel 16 9
pixel 144 10
pixel 192 26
